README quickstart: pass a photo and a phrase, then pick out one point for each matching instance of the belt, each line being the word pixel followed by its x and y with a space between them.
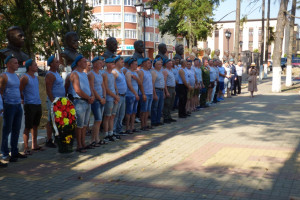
pixel 81 99
pixel 159 89
pixel 123 95
pixel 170 87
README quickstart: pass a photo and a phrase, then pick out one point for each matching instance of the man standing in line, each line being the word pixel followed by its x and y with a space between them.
pixel 206 82
pixel 83 98
pixel 122 88
pixel 239 73
pixel 12 117
pixel 30 94
pixel 54 88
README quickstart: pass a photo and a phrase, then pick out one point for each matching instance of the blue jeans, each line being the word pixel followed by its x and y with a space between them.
pixel 83 111
pixel 120 115
pixel 97 109
pixel 146 105
pixel 157 107
pixel 12 118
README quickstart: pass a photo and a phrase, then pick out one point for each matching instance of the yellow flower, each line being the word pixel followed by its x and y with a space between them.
pixel 64 101
pixel 68 139
pixel 66 121
pixel 58 114
pixel 72 111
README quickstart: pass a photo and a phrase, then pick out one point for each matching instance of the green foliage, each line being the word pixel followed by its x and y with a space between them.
pixel 45 21
pixel 298 56
pixel 188 18
pixel 212 54
pixel 255 51
pixel 285 55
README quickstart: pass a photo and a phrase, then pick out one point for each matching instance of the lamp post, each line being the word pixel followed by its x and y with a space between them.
pixel 228 35
pixel 241 45
pixel 145 12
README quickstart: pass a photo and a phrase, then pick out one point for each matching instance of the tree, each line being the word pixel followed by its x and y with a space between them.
pixel 290 49
pixel 237 30
pixel 281 20
pixel 267 32
pixel 191 19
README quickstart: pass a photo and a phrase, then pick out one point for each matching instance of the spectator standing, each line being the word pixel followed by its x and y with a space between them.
pixel 222 75
pixel 2 165
pixel 239 73
pixel 183 87
pixel 252 80
pixel 192 80
pixel 206 83
pixel 198 73
pixel 233 77
pixel 212 77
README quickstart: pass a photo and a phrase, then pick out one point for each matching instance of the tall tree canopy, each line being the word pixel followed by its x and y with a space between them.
pixel 46 22
pixel 188 18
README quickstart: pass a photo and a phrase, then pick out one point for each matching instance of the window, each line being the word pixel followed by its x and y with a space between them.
pixel 149 22
pixel 149 37
pixel 112 17
pixel 113 33
pixel 112 2
pixel 96 3
pixel 250 44
pixel 130 34
pixel 129 2
pixel 216 33
pixel 130 18
pixel 250 31
pixel 156 23
pixel 156 38
pixel 97 17
pixel 97 33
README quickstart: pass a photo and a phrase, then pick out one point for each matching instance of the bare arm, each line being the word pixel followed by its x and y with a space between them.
pixel 165 73
pixel 49 80
pixel 67 83
pixel 129 84
pixel 182 75
pixel 108 91
pixel 23 83
pixel 153 81
pixel 76 85
pixel 3 82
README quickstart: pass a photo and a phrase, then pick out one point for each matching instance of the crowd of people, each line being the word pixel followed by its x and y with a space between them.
pixel 115 91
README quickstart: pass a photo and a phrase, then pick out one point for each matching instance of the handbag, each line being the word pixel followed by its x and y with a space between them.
pixel 250 79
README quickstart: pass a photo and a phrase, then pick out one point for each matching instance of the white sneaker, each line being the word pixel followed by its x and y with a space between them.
pixel 137 120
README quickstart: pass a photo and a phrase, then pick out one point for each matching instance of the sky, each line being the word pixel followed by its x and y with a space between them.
pixel 253 11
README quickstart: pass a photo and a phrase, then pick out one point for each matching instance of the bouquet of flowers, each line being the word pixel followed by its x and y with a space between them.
pixel 63 117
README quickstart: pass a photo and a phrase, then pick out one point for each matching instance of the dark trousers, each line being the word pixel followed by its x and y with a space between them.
pixel 168 103
pixel 182 91
pixel 176 97
pixel 203 95
pixel 238 84
pixel 217 92
pixel 233 87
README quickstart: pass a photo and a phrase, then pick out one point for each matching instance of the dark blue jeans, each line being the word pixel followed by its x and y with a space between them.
pixel 157 107
pixel 12 118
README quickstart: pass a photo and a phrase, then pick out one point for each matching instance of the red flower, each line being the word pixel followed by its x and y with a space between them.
pixel 70 115
pixel 65 114
pixel 58 103
pixel 68 109
pixel 61 122
pixel 56 120
pixel 73 117
pixel 72 106
pixel 55 108
pixel 70 121
pixel 63 108
pixel 68 103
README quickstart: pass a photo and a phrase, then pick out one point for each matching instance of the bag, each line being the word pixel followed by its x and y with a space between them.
pixel 250 79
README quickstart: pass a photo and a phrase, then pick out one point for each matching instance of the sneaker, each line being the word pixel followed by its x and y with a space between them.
pixel 3 165
pixel 173 120
pixel 50 144
pixel 13 159
pixel 222 99
pixel 116 137
pixel 137 120
pixel 122 133
pixel 106 139
pixel 111 138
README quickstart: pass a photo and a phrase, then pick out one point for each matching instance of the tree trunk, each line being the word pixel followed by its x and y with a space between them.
pixel 288 81
pixel 281 20
pixel 237 31
pixel 67 15
pixel 81 17
pixel 267 33
pixel 262 43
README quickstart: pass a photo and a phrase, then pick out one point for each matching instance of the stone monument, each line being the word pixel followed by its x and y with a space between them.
pixel 194 53
pixel 207 52
pixel 139 49
pixel 111 47
pixel 71 45
pixel 217 54
pixel 232 55
pixel 225 56
pixel 162 50
pixel 179 51
pixel 15 37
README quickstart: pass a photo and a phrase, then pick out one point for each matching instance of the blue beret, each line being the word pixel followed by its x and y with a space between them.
pixel 76 61
pixel 131 60
pixel 140 61
pixel 8 58
pixel 231 60
pixel 28 63
pixel 117 58
pixel 97 58
pixel 50 60
pixel 109 60
pixel 126 60
pixel 145 59
pixel 157 59
pixel 189 60
pixel 196 59
pixel 166 61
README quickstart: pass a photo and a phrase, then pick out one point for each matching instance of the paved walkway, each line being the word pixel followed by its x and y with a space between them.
pixel 243 148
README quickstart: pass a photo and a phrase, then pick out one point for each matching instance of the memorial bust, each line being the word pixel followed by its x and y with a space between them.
pixel 139 49
pixel 206 53
pixel 232 55
pixel 179 51
pixel 217 54
pixel 71 45
pixel 225 56
pixel 111 47
pixel 194 53
pixel 162 50
pixel 15 37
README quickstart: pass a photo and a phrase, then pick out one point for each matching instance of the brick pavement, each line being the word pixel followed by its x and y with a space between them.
pixel 242 148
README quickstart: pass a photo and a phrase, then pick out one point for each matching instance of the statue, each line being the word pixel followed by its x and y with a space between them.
pixel 232 55
pixel 15 37
pixel 111 47
pixel 217 54
pixel 194 53
pixel 225 56
pixel 71 45
pixel 206 54
pixel 139 49
pixel 179 51
pixel 162 50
